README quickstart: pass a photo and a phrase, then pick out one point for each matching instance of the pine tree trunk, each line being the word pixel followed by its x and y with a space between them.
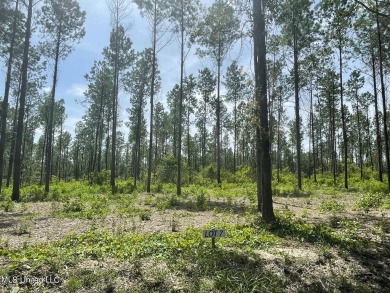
pixel 344 126
pixel 360 142
pixel 51 116
pixel 60 158
pixel 263 159
pixel 180 120
pixel 235 136
pixel 218 115
pixel 297 115
pixel 114 111
pixel 150 156
pixel 4 105
pixel 312 133
pixel 107 143
pixel 369 141
pixel 383 90
pixel 13 140
pixel 377 126
pixel 279 155
pixel 188 147
pixel 19 132
pixel 113 133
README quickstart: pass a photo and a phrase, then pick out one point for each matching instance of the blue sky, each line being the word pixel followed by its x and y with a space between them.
pixel 71 81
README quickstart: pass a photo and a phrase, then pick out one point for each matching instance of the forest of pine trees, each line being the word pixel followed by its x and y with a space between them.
pixel 311 100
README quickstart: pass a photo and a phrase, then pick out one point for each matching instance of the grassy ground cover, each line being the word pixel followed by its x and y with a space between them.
pixel 80 238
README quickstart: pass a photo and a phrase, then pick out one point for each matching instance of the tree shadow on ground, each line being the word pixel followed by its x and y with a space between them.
pixel 373 257
pixel 212 205
pixel 8 220
pixel 230 271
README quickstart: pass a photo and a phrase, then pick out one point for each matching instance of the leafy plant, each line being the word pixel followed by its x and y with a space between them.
pixel 369 201
pixel 145 215
pixel 23 227
pixel 125 187
pixel 4 243
pixel 73 205
pixel 157 187
pixel 202 201
pixel 33 193
pixel 174 223
pixel 332 206
pixel 350 228
pixel 6 204
pixel 73 284
pixel 100 178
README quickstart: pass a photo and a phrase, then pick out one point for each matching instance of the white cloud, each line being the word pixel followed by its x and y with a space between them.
pixel 70 124
pixel 77 90
pixel 46 89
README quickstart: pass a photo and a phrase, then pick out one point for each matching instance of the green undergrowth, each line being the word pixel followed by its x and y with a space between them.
pixel 101 244
pixel 188 258
pixel 288 226
pixel 368 201
pixel 6 204
pixel 229 267
pixel 236 187
pixel 331 205
pixel 325 183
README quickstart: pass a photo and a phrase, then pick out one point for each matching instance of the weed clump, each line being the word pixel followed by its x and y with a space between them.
pixel 369 201
pixel 332 206
pixel 6 204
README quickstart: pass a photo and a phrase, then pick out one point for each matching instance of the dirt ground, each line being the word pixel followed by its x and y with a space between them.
pixel 312 265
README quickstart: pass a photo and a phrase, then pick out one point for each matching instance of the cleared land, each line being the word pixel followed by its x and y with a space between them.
pixel 85 240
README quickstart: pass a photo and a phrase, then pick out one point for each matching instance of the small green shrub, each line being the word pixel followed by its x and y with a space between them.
pixel 73 284
pixel 124 187
pixel 157 187
pixel 6 204
pixel 162 204
pixel 33 193
pixel 4 244
pixel 174 200
pixel 373 186
pixel 350 228
pixel 335 221
pixel 167 169
pixel 149 199
pixel 100 202
pixel 174 223
pixel 202 201
pixel 145 215
pixel 332 206
pixel 369 201
pixel 73 205
pixel 227 176
pixel 100 178
pixel 23 227
pixel 245 174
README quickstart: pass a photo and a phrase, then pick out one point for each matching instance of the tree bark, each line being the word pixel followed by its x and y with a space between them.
pixel 218 112
pixel 51 115
pixel 383 90
pixel 150 156
pixel 19 133
pixel 13 139
pixel 4 105
pixel 180 120
pixel 312 133
pixel 297 115
pixel 263 159
pixel 377 126
pixel 344 126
